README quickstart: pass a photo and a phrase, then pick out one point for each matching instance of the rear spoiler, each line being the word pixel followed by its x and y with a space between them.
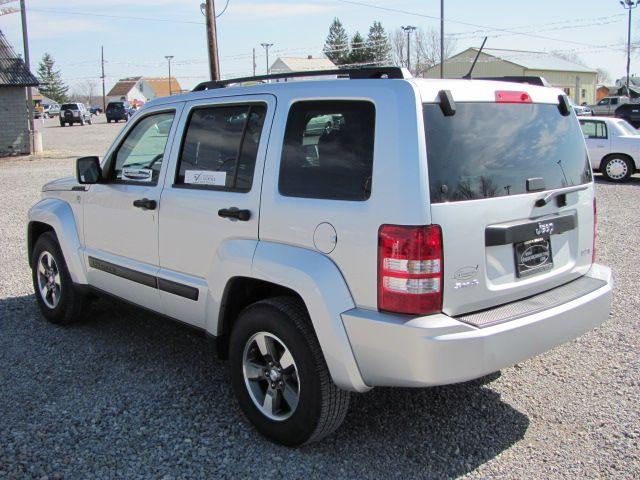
pixel 531 80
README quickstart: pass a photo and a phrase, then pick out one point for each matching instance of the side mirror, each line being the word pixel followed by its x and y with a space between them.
pixel 88 170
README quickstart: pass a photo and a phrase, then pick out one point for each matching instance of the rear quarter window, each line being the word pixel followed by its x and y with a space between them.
pixel 328 150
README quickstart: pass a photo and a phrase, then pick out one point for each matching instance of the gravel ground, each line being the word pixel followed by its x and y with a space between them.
pixel 129 395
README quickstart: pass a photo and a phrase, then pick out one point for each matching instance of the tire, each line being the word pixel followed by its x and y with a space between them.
pixel 65 305
pixel 62 124
pixel 320 406
pixel 617 168
pixel 90 121
pixel 108 120
pixel 82 122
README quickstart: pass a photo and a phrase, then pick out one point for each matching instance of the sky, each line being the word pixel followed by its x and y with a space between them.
pixel 137 34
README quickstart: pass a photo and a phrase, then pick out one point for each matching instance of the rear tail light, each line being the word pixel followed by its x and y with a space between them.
pixel 510 96
pixel 595 231
pixel 410 261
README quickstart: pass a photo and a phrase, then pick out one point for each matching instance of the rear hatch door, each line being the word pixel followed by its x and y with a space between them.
pixel 490 167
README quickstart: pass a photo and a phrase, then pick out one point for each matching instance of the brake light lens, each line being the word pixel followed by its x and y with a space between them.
pixel 410 262
pixel 510 96
pixel 595 231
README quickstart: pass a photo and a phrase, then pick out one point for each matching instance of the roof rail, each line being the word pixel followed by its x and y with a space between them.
pixel 531 80
pixel 351 73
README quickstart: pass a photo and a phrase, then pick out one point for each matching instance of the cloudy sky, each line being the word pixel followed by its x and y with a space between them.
pixel 137 34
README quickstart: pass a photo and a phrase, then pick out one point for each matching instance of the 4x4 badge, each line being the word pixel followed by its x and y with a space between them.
pixel 544 228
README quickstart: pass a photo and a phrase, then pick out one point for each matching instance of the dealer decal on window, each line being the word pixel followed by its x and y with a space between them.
pixel 137 174
pixel 205 177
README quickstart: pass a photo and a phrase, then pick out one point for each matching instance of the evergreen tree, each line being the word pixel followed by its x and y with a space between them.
pixel 359 51
pixel 51 84
pixel 336 47
pixel 378 46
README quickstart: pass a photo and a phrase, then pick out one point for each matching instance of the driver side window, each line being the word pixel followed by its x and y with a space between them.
pixel 139 157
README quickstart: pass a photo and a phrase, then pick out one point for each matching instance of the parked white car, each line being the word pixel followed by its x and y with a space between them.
pixel 436 232
pixel 614 147
pixel 581 110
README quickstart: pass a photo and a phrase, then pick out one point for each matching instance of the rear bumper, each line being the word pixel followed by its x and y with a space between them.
pixel 392 350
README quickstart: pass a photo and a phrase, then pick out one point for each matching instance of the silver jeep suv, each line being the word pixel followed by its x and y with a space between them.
pixel 332 236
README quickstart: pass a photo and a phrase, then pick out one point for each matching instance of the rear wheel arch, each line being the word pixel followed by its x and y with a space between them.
pixel 239 293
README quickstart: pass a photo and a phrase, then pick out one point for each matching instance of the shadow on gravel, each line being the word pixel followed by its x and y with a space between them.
pixel 599 179
pixel 129 394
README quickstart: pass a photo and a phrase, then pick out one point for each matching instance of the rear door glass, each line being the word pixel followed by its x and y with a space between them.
pixel 490 150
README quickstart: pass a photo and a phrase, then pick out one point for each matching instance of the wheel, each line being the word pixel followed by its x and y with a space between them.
pixel 82 122
pixel 90 121
pixel 108 120
pixel 62 124
pixel 617 169
pixel 279 374
pixel 59 301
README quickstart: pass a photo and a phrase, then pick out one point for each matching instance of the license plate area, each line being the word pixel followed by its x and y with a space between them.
pixel 533 256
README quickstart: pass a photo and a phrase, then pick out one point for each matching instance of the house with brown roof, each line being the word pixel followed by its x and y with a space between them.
pixel 143 89
pixel 15 78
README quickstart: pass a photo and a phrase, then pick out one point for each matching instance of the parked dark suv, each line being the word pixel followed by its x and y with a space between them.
pixel 629 112
pixel 118 111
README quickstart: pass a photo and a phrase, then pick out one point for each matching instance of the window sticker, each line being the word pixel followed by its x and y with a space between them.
pixel 205 177
pixel 137 174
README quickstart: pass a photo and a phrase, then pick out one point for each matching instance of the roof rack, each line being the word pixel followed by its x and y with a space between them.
pixel 351 73
pixel 531 80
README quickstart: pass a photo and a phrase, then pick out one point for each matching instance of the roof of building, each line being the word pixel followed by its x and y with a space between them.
pixel 13 71
pixel 535 60
pixel 123 86
pixel 160 85
pixel 301 64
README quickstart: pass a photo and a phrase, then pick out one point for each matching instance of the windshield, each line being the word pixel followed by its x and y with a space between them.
pixel 626 128
pixel 70 106
pixel 491 150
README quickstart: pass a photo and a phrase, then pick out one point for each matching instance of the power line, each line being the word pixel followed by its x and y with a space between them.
pixel 120 17
pixel 459 22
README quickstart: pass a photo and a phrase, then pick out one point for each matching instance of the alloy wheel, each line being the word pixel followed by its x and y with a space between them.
pixel 49 285
pixel 271 376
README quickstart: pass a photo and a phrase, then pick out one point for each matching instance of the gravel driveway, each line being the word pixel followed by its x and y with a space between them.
pixel 128 395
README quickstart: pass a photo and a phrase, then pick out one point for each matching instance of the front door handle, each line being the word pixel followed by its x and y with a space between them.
pixel 236 213
pixel 145 204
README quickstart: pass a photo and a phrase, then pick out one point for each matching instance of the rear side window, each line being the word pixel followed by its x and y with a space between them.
pixel 492 149
pixel 220 147
pixel 328 150
pixel 592 129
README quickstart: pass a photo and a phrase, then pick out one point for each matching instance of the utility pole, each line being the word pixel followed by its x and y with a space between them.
pixel 104 98
pixel 267 46
pixel 441 38
pixel 25 42
pixel 254 62
pixel 169 57
pixel 629 5
pixel 209 11
pixel 408 29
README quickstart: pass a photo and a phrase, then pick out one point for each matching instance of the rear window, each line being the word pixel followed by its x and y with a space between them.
pixel 69 106
pixel 490 150
pixel 115 105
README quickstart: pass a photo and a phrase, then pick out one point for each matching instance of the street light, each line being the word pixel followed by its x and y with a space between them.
pixel 267 46
pixel 169 57
pixel 629 5
pixel 409 29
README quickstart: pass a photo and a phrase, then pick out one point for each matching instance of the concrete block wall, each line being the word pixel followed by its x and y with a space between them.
pixel 14 121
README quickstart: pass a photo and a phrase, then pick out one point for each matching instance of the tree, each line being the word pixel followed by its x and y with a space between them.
pixel 51 84
pixel 359 52
pixel 336 47
pixel 602 76
pixel 85 92
pixel 378 45
pixel 425 49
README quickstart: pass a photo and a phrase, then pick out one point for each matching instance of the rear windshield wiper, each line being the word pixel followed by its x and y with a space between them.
pixel 541 202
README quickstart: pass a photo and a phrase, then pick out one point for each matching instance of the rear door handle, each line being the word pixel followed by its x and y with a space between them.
pixel 236 213
pixel 145 204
